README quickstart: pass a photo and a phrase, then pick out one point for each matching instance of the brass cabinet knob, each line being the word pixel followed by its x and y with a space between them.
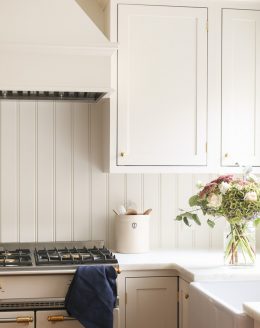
pixel 186 296
pixel 226 155
pixel 123 154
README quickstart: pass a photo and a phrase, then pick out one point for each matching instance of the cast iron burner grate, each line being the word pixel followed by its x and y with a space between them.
pixel 15 258
pixel 74 256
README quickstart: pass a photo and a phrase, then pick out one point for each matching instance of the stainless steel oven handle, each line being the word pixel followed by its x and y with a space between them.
pixel 17 320
pixel 55 318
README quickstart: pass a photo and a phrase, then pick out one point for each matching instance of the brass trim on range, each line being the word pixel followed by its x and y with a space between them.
pixel 55 318
pixel 24 319
pixel 118 270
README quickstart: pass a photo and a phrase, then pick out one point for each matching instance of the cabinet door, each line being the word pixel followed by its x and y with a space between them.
pixel 162 85
pixel 183 304
pixel 241 87
pixel 151 302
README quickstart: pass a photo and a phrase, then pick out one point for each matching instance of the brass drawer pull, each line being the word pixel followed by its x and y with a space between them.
pixel 24 319
pixel 55 318
pixel 17 320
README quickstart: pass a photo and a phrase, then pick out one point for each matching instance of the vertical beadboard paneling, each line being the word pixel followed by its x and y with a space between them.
pixel 27 174
pixel 185 191
pixel 169 237
pixel 45 172
pixel 53 186
pixel 99 180
pixel 81 191
pixel 9 177
pixel 116 193
pixel 134 193
pixel 152 200
pixel 63 171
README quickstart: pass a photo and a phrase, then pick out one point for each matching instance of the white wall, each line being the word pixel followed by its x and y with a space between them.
pixel 53 187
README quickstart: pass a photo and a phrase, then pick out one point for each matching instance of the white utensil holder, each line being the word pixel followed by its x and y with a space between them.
pixel 132 233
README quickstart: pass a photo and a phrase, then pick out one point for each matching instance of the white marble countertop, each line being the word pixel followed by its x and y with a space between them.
pixel 192 265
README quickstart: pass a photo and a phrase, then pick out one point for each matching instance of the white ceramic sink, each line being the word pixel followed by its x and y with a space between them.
pixel 220 304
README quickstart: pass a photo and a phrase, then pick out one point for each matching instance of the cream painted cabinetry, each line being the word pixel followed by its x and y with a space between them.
pixel 183 304
pixel 148 299
pixel 187 81
pixel 241 87
pixel 161 111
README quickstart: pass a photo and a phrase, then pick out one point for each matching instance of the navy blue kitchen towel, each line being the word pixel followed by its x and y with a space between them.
pixel 92 296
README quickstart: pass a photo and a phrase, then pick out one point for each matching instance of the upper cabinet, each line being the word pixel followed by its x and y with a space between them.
pixel 187 81
pixel 162 85
pixel 241 87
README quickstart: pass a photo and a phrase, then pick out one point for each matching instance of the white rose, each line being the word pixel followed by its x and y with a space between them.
pixel 223 187
pixel 214 200
pixel 200 184
pixel 251 196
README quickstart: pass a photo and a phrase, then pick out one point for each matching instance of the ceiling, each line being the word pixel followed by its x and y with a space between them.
pixel 102 3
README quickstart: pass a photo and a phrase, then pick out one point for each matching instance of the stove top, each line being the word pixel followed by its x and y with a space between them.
pixel 55 255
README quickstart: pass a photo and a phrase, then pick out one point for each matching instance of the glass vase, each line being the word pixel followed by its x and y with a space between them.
pixel 239 243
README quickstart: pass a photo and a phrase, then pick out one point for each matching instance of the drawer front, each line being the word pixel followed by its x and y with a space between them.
pixel 57 319
pixel 17 319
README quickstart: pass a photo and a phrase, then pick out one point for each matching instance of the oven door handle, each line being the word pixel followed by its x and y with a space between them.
pixel 17 320
pixel 55 318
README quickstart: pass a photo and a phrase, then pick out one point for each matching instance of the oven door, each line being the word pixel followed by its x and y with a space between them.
pixel 46 319
pixel 17 319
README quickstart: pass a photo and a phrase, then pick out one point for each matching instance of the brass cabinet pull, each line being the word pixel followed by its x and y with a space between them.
pixel 59 318
pixel 17 320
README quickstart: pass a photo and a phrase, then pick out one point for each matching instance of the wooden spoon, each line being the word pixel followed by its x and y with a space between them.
pixel 131 211
pixel 147 212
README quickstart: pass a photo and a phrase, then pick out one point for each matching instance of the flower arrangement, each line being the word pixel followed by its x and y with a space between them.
pixel 235 199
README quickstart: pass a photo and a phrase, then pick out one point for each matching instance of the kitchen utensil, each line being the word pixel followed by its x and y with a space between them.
pixel 147 212
pixel 131 211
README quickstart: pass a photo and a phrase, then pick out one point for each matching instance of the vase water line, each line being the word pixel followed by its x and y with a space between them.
pixel 239 243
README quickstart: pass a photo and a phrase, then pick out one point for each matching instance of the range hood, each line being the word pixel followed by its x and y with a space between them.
pixel 51 49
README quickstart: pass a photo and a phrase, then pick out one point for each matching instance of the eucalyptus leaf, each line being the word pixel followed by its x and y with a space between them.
pixel 193 201
pixel 211 223
pixel 196 219
pixel 178 218
pixel 186 221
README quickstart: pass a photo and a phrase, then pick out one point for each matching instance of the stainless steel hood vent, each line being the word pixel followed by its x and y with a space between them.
pixel 90 97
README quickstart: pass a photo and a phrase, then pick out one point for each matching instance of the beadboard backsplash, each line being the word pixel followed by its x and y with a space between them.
pixel 53 187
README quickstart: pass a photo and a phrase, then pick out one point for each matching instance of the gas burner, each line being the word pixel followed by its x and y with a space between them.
pixel 73 256
pixel 15 258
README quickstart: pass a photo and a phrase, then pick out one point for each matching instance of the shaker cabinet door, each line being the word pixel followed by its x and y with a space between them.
pixel 162 86
pixel 240 88
pixel 151 302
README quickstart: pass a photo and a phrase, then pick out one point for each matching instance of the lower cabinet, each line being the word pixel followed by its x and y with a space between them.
pixel 150 301
pixel 183 304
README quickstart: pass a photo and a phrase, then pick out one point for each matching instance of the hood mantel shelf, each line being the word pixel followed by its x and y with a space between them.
pixel 52 46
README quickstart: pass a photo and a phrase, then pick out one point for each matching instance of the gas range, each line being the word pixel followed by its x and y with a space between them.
pixel 35 277
pixel 58 255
